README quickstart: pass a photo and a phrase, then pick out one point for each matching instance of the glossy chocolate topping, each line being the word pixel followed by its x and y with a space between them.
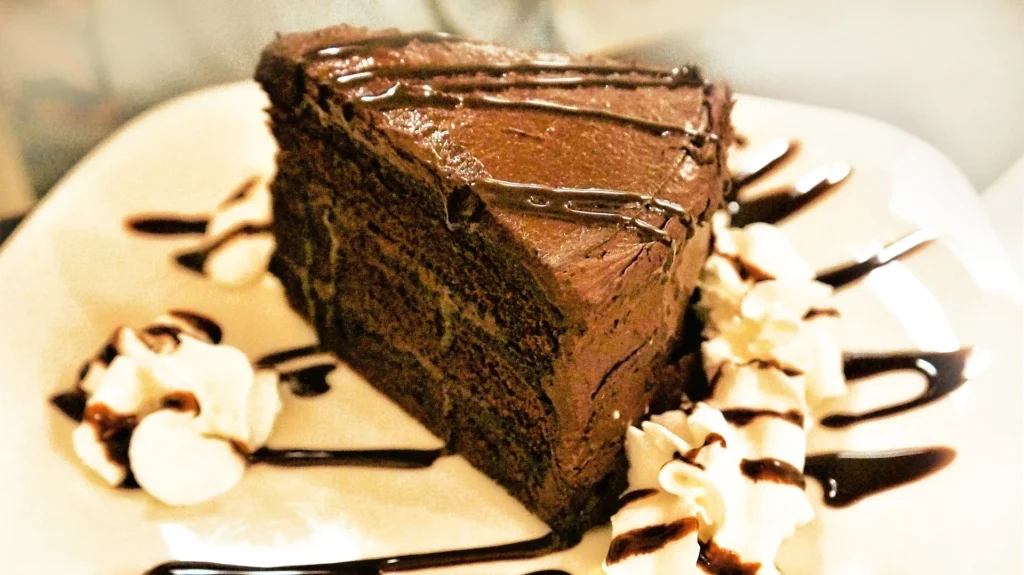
pixel 391 70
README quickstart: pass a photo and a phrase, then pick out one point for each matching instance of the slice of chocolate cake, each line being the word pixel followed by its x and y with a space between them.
pixel 504 242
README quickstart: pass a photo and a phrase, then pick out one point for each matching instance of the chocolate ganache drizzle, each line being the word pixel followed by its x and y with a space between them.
pixel 849 477
pixel 472 86
pixel 846 477
pixel 843 275
pixel 168 225
pixel 944 373
pixel 776 205
pixel 196 260
pixel 176 225
pixel 509 552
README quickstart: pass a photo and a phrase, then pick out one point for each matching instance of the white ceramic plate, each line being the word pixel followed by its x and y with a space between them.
pixel 72 273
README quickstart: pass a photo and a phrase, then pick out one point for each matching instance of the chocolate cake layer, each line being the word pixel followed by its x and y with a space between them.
pixel 504 242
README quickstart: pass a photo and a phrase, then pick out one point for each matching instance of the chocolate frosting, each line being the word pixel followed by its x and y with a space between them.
pixel 592 176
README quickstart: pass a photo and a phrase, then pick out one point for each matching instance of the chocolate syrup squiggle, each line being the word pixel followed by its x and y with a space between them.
pixel 844 275
pixel 452 86
pixel 849 477
pixel 944 373
pixel 761 163
pixel 168 225
pixel 196 260
pixel 510 552
pixel 776 205
pixel 625 75
pixel 846 476
pixel 582 204
pixel 381 458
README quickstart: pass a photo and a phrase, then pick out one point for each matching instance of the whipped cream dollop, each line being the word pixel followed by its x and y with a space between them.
pixel 240 231
pixel 673 501
pixel 174 410
pixel 761 306
pixel 719 485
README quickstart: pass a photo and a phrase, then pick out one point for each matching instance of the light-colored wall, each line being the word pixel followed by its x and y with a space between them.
pixel 948 71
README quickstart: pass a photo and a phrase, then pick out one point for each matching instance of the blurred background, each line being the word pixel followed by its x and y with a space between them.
pixel 949 71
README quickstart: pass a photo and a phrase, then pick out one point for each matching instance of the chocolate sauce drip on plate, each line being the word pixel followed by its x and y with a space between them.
pixel 196 260
pixel 168 225
pixel 944 372
pixel 844 275
pixel 384 458
pixel 242 191
pixel 850 477
pixel 109 351
pixel 71 403
pixel 715 560
pixel 114 430
pixel 762 162
pixel 272 359
pixel 633 496
pixel 772 363
pixel 741 417
pixel 774 470
pixel 776 205
pixel 816 312
pixel 308 381
pixel 201 322
pixel 648 539
pixel 170 331
pixel 509 552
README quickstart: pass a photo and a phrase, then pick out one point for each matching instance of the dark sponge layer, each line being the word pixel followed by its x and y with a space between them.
pixel 525 341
